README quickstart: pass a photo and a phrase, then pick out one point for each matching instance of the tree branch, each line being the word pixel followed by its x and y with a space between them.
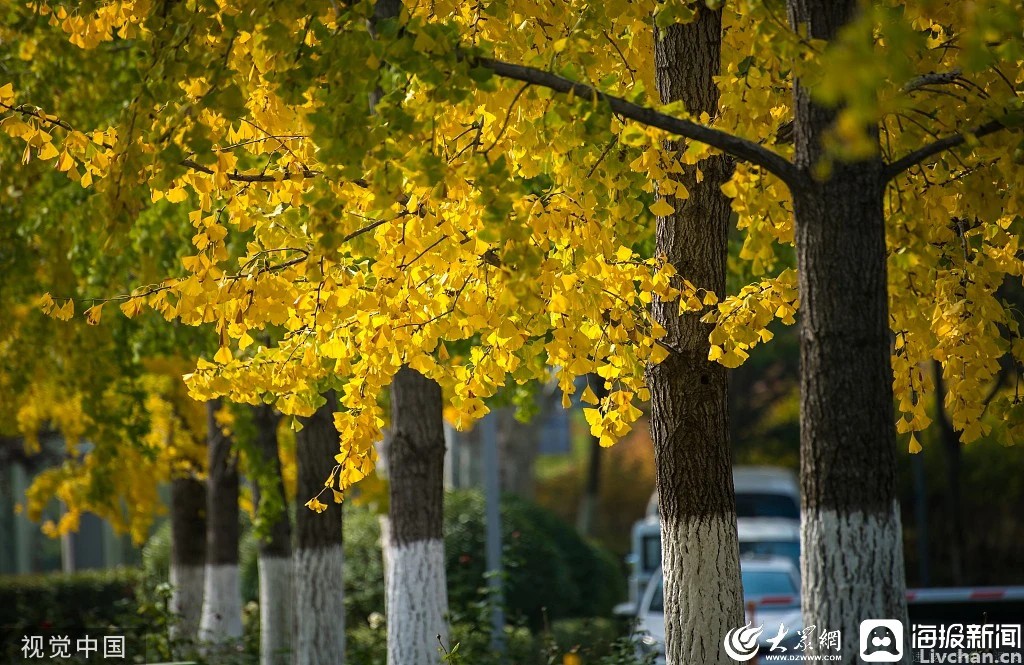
pixel 739 148
pixel 893 169
pixel 246 177
pixel 932 78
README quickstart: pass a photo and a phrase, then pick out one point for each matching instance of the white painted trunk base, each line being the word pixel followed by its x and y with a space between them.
pixel 703 595
pixel 276 617
pixel 319 606
pixel 186 600
pixel 852 570
pixel 222 605
pixel 417 603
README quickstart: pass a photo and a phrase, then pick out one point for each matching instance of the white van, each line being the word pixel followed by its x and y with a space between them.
pixel 769 536
pixel 766 491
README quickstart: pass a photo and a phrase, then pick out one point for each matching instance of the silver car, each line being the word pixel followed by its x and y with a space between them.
pixel 768 518
pixel 771 595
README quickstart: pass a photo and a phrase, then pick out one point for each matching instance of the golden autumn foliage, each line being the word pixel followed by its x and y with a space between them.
pixel 365 200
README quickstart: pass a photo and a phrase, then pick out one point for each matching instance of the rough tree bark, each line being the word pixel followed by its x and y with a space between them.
pixel 417 594
pixel 188 555
pixel 222 598
pixel 319 562
pixel 690 421
pixel 851 538
pixel 275 553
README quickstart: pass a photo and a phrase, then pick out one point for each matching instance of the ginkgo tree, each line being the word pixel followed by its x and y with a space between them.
pixel 112 392
pixel 125 421
pixel 626 306
pixel 501 188
pixel 119 419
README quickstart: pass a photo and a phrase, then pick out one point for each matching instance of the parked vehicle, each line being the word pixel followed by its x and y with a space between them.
pixel 766 491
pixel 644 560
pixel 768 509
pixel 761 491
pixel 772 536
pixel 771 596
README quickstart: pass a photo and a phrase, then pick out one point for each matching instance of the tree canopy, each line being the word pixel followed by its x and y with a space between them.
pixel 489 216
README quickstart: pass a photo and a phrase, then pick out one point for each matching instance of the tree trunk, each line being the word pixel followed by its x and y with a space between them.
pixel 275 554
pixel 222 598
pixel 956 537
pixel 851 537
pixel 690 421
pixel 319 560
pixel 517 443
pixel 188 555
pixel 417 594
pixel 592 488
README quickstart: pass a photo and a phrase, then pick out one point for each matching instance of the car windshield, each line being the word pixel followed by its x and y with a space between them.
pixel 757 583
pixel 786 548
pixel 759 504
pixel 651 552
pixel 657 599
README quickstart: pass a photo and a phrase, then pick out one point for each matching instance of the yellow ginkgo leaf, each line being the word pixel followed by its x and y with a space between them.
pixel 316 505
pixel 92 315
pixel 661 208
pixel 177 195
pixel 48 152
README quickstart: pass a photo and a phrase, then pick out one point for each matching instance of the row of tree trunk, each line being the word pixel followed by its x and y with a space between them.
pixel 302 610
pixel 204 547
pixel 852 563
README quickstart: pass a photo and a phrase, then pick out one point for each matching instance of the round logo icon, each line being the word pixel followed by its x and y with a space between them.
pixel 741 643
pixel 881 641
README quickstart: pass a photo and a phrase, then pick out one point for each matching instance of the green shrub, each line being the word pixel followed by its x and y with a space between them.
pixel 366 645
pixel 121 602
pixel 156 554
pixel 549 569
pixel 537 577
pixel 364 567
pixel 594 571
pixel 87 603
pixel 248 566
pixel 598 641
